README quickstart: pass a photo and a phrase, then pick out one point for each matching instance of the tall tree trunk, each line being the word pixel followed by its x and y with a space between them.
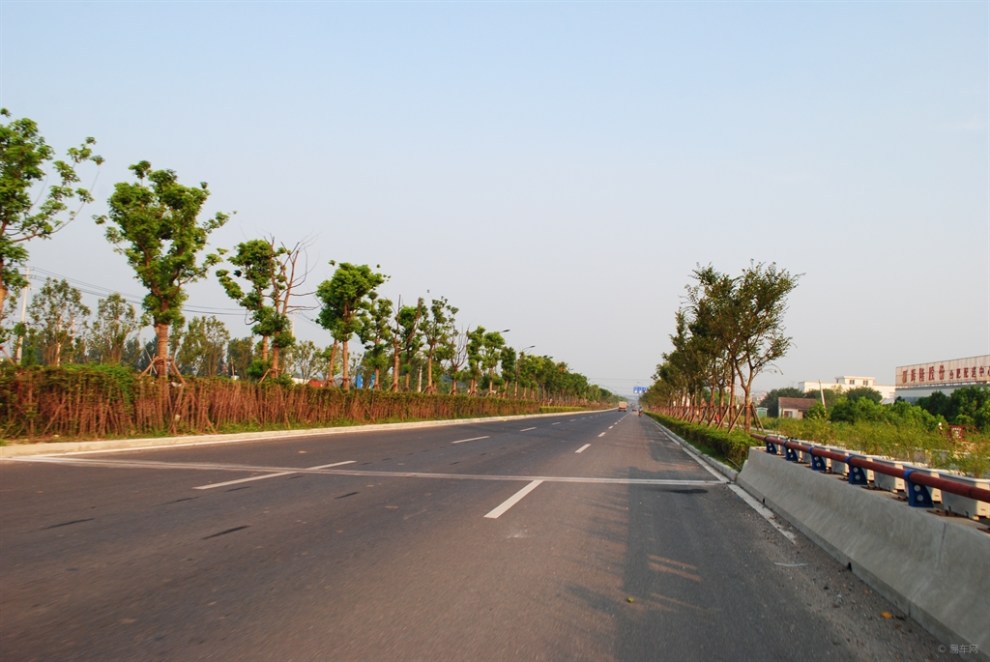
pixel 333 360
pixel 160 361
pixel 345 381
pixel 395 368
pixel 430 388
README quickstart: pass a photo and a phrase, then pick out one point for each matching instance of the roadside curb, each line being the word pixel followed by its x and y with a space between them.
pixel 106 445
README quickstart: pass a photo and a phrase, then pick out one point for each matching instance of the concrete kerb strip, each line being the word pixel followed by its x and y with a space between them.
pixel 932 567
pixel 62 447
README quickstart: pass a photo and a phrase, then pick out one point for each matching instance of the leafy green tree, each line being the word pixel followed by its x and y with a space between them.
pixel 475 364
pixel 377 336
pixel 116 321
pixel 408 333
pixel 454 357
pixel 760 304
pixel 491 354
pixel 817 411
pixel 508 361
pixel 57 316
pixel 938 404
pixel 854 394
pixel 156 220
pixel 438 334
pixel 970 406
pixel 270 275
pixel 829 395
pixel 730 329
pixel 350 290
pixel 203 346
pixel 306 360
pixel 137 353
pixel 240 355
pixel 27 164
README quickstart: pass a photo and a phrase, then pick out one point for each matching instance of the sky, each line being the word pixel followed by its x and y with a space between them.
pixel 557 169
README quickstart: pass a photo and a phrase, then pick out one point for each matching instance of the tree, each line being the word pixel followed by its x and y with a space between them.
pixel 407 339
pixel 761 301
pixel 455 358
pixel 116 320
pixel 854 394
pixel 306 361
pixel 829 395
pixel 731 328
pixel 57 316
pixel 376 334
pixel 475 366
pixel 240 354
pixel 350 290
pixel 438 334
pixel 491 353
pixel 509 370
pixel 271 277
pixel 203 346
pixel 27 163
pixel 156 220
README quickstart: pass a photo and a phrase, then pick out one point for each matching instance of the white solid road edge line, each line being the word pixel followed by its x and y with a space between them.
pixel 513 500
pixel 762 510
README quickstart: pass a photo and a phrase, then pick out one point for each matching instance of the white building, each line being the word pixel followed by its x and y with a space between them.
pixel 849 382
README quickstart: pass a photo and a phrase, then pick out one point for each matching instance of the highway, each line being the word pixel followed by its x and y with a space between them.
pixel 575 537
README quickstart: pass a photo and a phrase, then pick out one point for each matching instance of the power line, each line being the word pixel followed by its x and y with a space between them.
pixel 41 274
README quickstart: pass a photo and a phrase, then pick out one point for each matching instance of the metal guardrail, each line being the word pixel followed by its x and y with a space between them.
pixel 918 481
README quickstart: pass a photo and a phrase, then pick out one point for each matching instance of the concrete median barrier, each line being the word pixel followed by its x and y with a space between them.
pixel 934 568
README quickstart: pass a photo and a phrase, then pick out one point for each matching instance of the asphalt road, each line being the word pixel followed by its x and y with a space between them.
pixel 580 537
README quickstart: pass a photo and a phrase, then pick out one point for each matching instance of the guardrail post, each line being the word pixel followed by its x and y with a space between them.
pixel 818 462
pixel 918 495
pixel 857 475
pixel 771 446
pixel 790 453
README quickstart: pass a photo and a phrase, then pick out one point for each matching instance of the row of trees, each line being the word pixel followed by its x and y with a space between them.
pixel 729 330
pixel 400 352
pixel 155 223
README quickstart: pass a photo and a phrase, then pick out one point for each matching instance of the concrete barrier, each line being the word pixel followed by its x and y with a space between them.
pixel 934 568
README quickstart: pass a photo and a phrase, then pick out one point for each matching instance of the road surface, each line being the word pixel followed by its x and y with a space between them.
pixel 578 537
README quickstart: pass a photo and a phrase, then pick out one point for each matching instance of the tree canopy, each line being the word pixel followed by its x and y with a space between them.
pixel 27 164
pixel 155 224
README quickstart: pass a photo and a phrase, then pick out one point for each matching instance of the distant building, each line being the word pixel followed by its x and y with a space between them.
pixel 920 380
pixel 848 382
pixel 794 407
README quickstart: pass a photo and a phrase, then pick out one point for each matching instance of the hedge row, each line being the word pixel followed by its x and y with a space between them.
pixel 83 402
pixel 729 447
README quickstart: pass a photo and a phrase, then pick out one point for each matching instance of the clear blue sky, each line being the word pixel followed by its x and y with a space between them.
pixel 557 169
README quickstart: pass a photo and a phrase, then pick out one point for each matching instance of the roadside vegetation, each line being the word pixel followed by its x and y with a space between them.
pixel 942 431
pixel 69 372
pixel 730 329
